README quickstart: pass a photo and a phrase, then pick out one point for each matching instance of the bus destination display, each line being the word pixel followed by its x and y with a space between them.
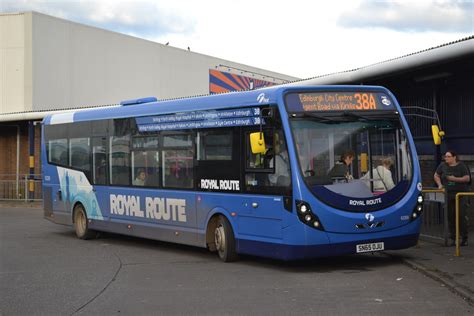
pixel 338 101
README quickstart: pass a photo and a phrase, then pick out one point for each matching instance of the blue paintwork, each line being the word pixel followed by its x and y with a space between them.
pixel 139 101
pixel 268 230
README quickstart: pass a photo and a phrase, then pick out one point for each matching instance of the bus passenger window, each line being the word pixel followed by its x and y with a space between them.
pixel 178 161
pixel 120 160
pixel 99 161
pixel 57 151
pixel 79 153
pixel 145 161
pixel 215 145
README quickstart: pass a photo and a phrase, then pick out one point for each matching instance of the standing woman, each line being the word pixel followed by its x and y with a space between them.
pixel 454 177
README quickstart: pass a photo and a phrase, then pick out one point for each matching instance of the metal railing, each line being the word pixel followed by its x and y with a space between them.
pixel 435 215
pixel 20 187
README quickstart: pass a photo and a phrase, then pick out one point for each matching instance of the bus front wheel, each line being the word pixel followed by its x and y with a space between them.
pixel 81 224
pixel 224 240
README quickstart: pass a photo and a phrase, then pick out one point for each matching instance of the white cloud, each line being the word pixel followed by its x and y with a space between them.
pixel 299 38
pixel 421 16
pixel 143 18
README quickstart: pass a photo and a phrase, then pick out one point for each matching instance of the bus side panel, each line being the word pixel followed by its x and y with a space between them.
pixel 253 215
pixel 148 213
pixel 75 188
pixel 60 213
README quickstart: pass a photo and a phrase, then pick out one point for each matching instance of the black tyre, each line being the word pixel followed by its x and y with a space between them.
pixel 81 224
pixel 224 240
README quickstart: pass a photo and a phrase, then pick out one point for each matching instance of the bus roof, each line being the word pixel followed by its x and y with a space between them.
pixel 258 97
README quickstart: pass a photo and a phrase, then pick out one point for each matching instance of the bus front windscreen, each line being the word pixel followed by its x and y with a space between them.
pixel 357 161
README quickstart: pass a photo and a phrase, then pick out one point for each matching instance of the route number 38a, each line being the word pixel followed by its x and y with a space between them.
pixel 365 101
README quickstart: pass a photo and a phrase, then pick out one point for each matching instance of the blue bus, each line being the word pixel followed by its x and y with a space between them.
pixel 282 172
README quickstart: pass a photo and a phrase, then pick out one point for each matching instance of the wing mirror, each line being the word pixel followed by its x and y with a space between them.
pixel 257 143
pixel 437 134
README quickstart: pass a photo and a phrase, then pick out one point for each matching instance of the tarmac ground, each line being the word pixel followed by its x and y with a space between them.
pixel 432 259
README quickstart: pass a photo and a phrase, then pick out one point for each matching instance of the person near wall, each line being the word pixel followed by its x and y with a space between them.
pixel 454 177
pixel 381 176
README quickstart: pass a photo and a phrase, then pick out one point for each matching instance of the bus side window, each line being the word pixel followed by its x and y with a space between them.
pixel 218 158
pixel 269 173
pixel 178 161
pixel 58 151
pixel 145 161
pixel 79 153
pixel 99 160
pixel 260 161
pixel 259 166
pixel 119 160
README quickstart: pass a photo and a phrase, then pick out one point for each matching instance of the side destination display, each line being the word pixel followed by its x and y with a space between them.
pixel 338 101
pixel 200 119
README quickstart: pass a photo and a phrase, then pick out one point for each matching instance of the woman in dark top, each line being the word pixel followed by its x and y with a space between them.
pixel 341 168
pixel 454 177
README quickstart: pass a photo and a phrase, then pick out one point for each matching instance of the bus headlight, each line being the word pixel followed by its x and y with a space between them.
pixel 307 216
pixel 303 208
pixel 418 208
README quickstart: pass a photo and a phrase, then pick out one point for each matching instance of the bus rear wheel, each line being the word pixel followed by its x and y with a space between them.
pixel 224 240
pixel 81 224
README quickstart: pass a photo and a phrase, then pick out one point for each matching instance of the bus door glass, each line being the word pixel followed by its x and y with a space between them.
pixel 267 183
pixel 57 153
pixel 99 177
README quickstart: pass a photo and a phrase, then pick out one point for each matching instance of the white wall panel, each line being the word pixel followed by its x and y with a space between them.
pixel 75 65
pixel 12 64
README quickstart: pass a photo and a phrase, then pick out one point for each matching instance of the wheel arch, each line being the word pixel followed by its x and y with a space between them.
pixel 211 225
pixel 76 203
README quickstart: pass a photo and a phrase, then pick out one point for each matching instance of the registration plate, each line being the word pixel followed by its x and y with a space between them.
pixel 376 246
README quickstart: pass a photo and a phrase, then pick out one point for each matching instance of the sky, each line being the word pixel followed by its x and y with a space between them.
pixel 299 38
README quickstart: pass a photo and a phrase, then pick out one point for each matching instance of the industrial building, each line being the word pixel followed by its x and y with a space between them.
pixel 50 64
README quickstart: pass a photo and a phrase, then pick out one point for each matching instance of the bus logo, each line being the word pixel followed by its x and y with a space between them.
pixel 369 217
pixel 386 100
pixel 261 98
